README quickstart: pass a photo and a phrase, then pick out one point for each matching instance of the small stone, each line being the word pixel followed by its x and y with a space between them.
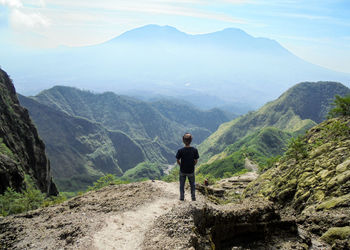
pixel 343 166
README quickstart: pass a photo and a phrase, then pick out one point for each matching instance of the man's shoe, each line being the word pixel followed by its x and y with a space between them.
pixel 182 199
pixel 193 199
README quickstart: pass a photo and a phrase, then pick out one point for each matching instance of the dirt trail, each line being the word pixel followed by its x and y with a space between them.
pixel 126 230
pixel 248 164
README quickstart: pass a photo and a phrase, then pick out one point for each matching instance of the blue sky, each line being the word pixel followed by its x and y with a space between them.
pixel 317 31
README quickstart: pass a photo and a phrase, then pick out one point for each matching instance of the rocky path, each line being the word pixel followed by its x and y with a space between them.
pixel 126 230
pixel 148 215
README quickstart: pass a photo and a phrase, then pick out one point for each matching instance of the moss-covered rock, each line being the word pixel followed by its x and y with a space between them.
pixel 336 233
pixel 335 202
pixel 317 187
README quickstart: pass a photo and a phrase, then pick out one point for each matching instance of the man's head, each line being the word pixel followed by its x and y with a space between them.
pixel 187 139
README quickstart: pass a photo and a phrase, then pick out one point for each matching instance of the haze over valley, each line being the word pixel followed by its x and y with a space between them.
pixel 224 68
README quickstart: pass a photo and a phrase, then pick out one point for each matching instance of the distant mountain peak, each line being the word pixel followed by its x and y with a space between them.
pixel 151 32
pixel 233 32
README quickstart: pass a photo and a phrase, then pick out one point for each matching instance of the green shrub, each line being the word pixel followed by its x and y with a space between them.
pixel 53 200
pixel 341 107
pixel 297 148
pixel 335 130
pixel 12 202
pixel 173 175
pixel 4 149
pixel 269 163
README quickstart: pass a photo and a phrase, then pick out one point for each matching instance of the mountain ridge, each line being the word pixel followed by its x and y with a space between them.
pixel 298 109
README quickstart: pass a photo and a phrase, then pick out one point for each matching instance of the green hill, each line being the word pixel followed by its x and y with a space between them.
pixel 258 147
pixel 295 111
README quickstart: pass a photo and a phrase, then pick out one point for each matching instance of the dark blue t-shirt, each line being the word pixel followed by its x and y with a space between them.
pixel 187 155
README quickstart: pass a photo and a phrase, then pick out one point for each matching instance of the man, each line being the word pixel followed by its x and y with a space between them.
pixel 187 158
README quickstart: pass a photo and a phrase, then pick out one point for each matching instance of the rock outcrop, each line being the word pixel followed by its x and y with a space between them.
pixel 313 182
pixel 22 152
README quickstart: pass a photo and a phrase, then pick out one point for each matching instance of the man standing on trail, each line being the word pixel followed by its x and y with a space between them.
pixel 187 158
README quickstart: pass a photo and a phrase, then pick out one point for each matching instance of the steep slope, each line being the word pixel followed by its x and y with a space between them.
pixel 164 60
pixel 81 151
pixel 22 152
pixel 135 118
pixel 298 109
pixel 313 181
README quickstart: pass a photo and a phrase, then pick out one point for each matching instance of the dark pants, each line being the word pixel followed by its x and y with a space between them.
pixel 191 179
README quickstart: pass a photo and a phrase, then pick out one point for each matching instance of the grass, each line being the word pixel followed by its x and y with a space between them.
pixel 5 150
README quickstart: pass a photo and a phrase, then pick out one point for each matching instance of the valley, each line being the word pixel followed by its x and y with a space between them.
pixel 89 135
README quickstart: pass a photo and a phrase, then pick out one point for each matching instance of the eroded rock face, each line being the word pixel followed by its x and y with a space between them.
pixel 22 152
pixel 250 224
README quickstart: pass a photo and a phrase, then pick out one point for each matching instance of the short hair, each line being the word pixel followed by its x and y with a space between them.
pixel 187 138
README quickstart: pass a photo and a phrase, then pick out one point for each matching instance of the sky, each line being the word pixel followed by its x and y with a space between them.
pixel 317 31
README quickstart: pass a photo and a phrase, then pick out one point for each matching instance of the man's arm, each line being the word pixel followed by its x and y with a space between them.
pixel 195 161
pixel 178 161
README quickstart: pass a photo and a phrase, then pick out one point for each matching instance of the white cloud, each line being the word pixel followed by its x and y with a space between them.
pixel 11 3
pixel 164 7
pixel 20 19
pixel 303 16
pixel 23 17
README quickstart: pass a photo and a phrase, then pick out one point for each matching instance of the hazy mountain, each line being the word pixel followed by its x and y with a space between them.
pixel 88 135
pixel 230 65
pixel 295 111
pixel 190 117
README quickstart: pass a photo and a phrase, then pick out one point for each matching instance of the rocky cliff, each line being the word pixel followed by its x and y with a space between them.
pixel 22 152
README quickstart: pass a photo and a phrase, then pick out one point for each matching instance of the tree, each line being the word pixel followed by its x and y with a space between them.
pixel 341 106
pixel 297 148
